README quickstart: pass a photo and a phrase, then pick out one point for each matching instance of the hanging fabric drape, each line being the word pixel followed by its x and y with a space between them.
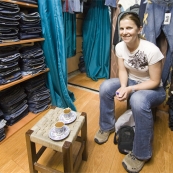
pixel 54 51
pixel 96 40
pixel 70 34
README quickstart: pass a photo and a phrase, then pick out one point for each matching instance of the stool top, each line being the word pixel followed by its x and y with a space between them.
pixel 41 129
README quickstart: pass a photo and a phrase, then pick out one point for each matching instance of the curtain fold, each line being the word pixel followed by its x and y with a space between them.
pixel 70 34
pixel 96 40
pixel 54 51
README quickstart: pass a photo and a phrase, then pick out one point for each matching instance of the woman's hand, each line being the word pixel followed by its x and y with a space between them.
pixel 122 93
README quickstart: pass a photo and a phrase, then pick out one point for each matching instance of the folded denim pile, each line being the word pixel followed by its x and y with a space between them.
pixel 32 59
pixel 30 26
pixel 13 104
pixel 9 22
pixel 38 96
pixel 28 1
pixel 2 128
pixel 170 103
pixel 9 64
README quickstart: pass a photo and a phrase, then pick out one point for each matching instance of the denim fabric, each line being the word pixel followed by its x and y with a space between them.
pixel 4 31
pixel 29 16
pixel 8 50
pixel 31 30
pixel 10 17
pixel 11 96
pixel 151 30
pixel 9 8
pixel 9 23
pixel 8 40
pixel 35 53
pixel 10 59
pixel 8 72
pixel 33 61
pixel 15 117
pixel 35 111
pixel 28 1
pixel 14 108
pixel 34 69
pixel 141 103
pixel 24 36
pixel 10 78
pixel 6 67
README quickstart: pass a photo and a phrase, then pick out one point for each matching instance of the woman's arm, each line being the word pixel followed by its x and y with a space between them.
pixel 123 76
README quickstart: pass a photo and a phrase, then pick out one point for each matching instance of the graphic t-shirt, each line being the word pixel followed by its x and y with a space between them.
pixel 137 62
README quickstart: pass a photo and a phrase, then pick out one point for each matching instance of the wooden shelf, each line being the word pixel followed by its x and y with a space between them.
pixel 23 4
pixel 22 42
pixel 24 78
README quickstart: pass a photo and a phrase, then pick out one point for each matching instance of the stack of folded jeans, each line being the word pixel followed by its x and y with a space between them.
pixel 13 104
pixel 2 130
pixel 32 60
pixel 30 26
pixel 28 1
pixel 38 96
pixel 9 64
pixel 9 22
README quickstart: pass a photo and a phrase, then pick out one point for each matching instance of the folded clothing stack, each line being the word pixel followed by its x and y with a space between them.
pixel 2 130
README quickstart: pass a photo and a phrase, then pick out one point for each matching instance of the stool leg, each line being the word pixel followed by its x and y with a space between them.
pixel 67 157
pixel 84 137
pixel 31 150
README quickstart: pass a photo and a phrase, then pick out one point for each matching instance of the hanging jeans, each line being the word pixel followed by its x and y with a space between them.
pixel 141 103
pixel 153 24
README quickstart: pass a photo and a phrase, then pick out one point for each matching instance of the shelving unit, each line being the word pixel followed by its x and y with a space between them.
pixel 30 116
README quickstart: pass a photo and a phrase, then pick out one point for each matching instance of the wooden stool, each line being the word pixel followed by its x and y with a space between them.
pixel 38 134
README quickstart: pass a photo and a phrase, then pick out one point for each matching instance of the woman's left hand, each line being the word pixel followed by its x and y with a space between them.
pixel 122 93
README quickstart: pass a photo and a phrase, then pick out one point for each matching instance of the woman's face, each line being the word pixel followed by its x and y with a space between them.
pixel 128 31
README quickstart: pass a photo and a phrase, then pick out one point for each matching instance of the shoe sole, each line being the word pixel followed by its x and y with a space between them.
pixel 96 140
pixel 125 167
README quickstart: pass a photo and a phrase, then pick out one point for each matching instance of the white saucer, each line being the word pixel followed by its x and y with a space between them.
pixel 54 136
pixel 70 120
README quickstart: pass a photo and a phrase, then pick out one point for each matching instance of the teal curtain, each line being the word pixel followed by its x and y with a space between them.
pixel 96 40
pixel 70 34
pixel 54 51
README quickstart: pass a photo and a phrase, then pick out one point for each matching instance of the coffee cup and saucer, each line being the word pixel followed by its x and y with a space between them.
pixel 59 132
pixel 68 116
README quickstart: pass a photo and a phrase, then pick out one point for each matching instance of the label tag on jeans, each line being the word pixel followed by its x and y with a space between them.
pixel 167 18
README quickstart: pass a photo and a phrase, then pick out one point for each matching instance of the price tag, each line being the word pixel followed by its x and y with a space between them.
pixel 167 18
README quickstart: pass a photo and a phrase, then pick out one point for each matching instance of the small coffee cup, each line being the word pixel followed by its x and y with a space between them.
pixel 67 113
pixel 59 127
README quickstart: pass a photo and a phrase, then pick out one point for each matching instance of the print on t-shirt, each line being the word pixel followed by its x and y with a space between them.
pixel 138 61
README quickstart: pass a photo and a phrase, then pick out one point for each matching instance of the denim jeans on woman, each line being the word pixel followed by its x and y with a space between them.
pixel 153 25
pixel 141 103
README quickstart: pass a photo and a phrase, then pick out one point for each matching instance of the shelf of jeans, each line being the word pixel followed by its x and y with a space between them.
pixel 23 4
pixel 22 42
pixel 24 78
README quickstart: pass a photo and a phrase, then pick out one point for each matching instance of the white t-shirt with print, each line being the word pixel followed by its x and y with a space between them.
pixel 137 62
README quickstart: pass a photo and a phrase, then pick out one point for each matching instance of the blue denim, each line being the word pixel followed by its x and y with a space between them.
pixel 6 67
pixel 13 118
pixel 35 111
pixel 9 8
pixel 10 59
pixel 10 78
pixel 6 31
pixel 10 17
pixel 28 1
pixel 7 51
pixel 141 103
pixel 8 72
pixel 154 24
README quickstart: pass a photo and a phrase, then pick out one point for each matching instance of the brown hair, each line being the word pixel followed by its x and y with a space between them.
pixel 134 17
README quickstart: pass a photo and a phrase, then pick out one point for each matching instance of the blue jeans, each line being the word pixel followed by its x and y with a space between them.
pixel 141 103
pixel 154 24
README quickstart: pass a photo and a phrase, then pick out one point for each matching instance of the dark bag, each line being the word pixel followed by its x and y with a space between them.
pixel 124 139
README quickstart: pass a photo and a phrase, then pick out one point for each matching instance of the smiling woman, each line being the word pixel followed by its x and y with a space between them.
pixel 139 81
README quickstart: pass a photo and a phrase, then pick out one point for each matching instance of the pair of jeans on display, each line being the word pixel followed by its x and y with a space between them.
pixel 153 23
pixel 9 22
pixel 141 103
pixel 30 26
pixel 13 104
pixel 28 1
pixel 32 60
pixel 38 96
pixel 9 66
